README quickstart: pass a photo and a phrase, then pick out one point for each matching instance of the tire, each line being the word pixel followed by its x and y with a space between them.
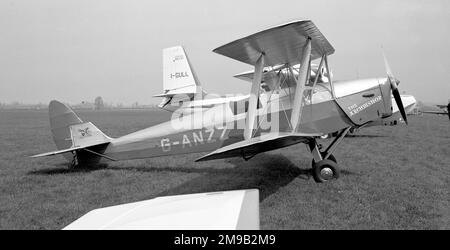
pixel 325 170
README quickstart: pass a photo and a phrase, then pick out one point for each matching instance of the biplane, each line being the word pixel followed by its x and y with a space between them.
pixel 293 99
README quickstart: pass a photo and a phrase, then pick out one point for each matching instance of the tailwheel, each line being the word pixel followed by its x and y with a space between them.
pixel 325 170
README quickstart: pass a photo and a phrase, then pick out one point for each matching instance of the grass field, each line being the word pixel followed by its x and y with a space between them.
pixel 392 177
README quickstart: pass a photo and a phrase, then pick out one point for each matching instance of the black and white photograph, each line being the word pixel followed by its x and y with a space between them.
pixel 224 115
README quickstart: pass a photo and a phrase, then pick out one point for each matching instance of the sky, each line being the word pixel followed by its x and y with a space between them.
pixel 76 50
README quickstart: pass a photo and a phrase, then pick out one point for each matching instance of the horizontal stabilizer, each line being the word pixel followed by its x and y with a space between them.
pixel 188 90
pixel 57 152
pixel 237 209
pixel 255 145
pixel 83 135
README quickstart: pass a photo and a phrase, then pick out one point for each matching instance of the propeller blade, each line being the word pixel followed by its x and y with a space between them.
pixel 394 86
pixel 386 65
pixel 399 102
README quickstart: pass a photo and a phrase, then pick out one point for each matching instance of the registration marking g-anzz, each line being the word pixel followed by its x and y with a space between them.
pixel 193 139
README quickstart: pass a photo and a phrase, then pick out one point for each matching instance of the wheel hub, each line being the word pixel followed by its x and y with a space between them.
pixel 327 173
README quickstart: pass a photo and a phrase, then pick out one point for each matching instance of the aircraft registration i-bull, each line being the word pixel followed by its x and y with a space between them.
pixel 291 101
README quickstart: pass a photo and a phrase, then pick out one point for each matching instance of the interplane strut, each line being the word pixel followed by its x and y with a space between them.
pixel 300 88
pixel 253 100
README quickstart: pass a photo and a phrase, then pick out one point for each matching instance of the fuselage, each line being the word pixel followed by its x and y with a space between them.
pixel 355 103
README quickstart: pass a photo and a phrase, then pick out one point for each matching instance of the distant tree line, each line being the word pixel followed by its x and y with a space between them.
pixel 98 104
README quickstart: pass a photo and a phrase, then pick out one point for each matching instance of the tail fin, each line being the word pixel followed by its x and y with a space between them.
pixel 70 133
pixel 178 76
pixel 61 118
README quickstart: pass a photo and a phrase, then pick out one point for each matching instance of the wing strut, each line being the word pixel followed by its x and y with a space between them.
pixel 253 100
pixel 319 72
pixel 330 79
pixel 301 82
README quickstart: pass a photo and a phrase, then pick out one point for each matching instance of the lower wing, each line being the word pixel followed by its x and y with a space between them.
pixel 255 145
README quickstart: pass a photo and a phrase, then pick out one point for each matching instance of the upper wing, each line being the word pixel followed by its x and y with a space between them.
pixel 281 44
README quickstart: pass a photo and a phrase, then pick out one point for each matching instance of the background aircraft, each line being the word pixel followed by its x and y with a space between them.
pixel 293 107
pixel 444 110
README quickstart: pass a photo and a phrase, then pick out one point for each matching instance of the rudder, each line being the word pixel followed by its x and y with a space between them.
pixel 61 118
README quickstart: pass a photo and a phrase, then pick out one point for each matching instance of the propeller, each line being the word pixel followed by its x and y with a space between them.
pixel 394 86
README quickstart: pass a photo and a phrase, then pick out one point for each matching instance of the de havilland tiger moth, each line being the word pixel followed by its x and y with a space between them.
pixel 291 101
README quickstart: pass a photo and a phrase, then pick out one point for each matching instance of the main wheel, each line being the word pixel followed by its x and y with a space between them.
pixel 325 170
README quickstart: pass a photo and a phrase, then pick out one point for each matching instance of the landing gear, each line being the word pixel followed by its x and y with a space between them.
pixel 324 164
pixel 331 157
pixel 325 170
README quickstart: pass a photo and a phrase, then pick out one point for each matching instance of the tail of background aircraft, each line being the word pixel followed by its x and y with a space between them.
pixel 71 134
pixel 179 79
